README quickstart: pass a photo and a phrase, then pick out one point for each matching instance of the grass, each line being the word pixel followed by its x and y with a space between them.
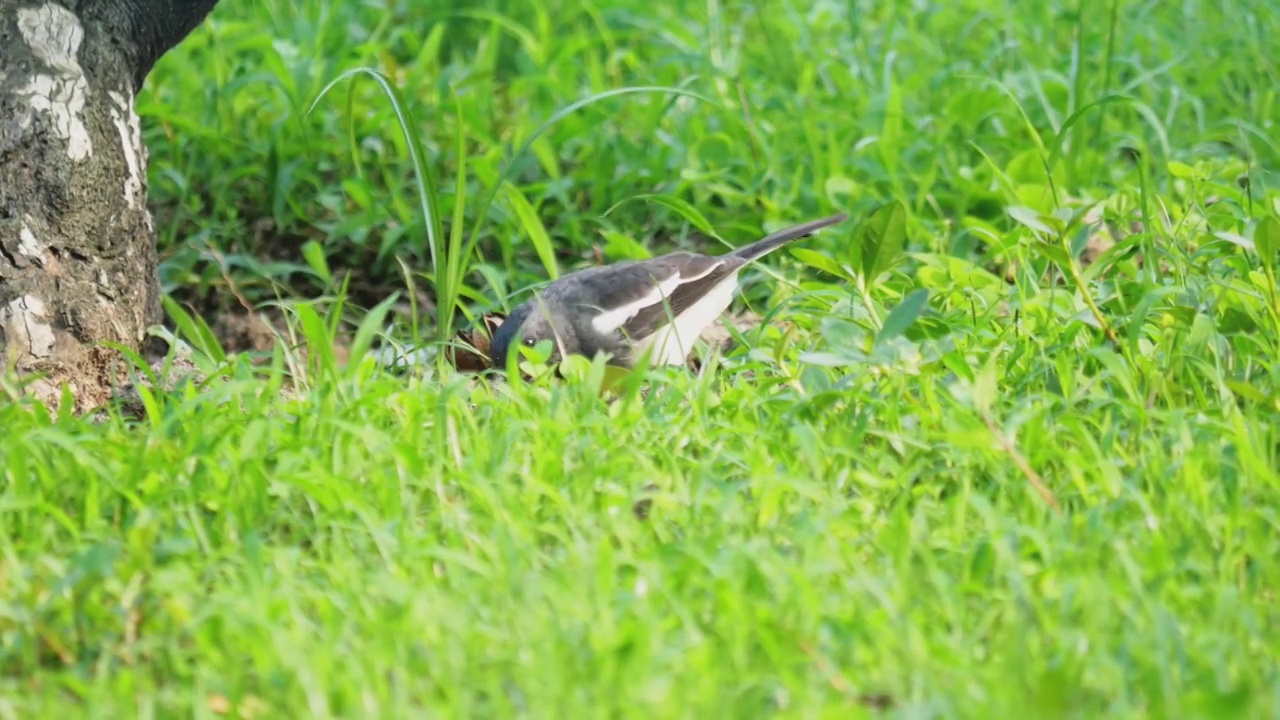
pixel 1026 463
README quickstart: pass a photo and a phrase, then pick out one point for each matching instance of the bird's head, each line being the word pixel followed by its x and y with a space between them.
pixel 528 325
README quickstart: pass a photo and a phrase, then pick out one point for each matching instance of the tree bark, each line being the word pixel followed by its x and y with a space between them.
pixel 77 245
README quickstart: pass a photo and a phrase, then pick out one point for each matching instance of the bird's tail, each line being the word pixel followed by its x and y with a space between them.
pixel 775 240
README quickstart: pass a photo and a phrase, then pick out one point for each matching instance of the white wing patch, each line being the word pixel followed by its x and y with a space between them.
pixel 610 320
pixel 673 342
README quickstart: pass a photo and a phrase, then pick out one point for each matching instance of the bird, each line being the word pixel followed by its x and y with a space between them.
pixel 635 310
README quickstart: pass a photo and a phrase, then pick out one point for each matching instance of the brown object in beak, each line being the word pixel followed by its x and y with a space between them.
pixel 470 353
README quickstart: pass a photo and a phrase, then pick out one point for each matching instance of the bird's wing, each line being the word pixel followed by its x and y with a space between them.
pixel 607 292
pixel 638 298
pixel 651 317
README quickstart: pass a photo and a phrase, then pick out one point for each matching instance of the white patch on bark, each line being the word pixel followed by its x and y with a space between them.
pixel 125 118
pixel 28 245
pixel 106 294
pixel 54 35
pixel 27 336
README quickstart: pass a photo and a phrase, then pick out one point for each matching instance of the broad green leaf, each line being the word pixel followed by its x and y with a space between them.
pixel 1181 170
pixel 575 368
pixel 1029 218
pixel 1235 239
pixel 1266 239
pixel 815 259
pixel 880 239
pixel 903 315
pixel 988 232
pixel 539 353
pixel 1087 317
pixel 1201 329
pixel 1055 253
pixel 1260 280
pixel 1037 196
pixel 1027 168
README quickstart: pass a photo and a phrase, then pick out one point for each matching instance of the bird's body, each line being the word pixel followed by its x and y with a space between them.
pixel 655 308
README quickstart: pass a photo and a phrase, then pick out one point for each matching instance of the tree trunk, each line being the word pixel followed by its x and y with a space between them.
pixel 77 245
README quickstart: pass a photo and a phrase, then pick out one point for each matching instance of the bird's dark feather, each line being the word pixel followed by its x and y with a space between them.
pixel 506 332
pixel 649 319
pixel 778 238
pixel 614 286
pixel 653 317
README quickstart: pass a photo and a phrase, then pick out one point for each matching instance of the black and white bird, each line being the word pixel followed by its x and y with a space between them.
pixel 637 309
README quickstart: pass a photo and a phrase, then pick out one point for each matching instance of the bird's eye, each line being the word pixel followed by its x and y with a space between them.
pixel 529 342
